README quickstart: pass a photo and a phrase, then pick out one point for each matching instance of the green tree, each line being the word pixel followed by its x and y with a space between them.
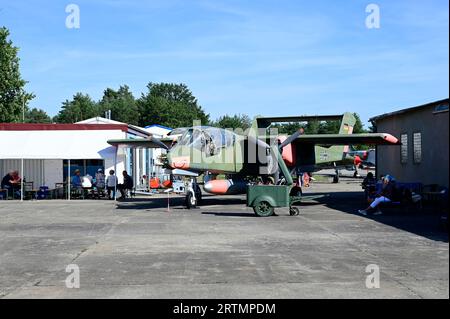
pixel 329 127
pixel 312 127
pixel 236 121
pixel 359 127
pixel 37 116
pixel 12 94
pixel 81 107
pixel 122 104
pixel 287 128
pixel 171 105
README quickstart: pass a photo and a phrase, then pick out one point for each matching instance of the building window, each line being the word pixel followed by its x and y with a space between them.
pixel 404 149
pixel 440 108
pixel 417 147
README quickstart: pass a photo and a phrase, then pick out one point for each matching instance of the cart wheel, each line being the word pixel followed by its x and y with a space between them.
pixel 263 209
pixel 191 202
pixel 294 211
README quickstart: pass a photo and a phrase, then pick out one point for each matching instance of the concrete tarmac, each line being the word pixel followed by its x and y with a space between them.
pixel 140 249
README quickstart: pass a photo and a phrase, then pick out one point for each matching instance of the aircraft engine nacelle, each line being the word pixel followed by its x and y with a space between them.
pixel 225 187
pixel 288 153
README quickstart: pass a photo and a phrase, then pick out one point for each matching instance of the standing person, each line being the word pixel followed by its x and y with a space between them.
pixel 127 184
pixel 111 183
pixel 100 179
pixel 385 196
pixel 357 162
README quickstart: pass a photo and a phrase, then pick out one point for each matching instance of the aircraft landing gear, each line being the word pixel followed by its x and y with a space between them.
pixel 193 195
pixel 336 176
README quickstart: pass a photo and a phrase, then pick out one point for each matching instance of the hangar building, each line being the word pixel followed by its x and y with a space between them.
pixel 423 155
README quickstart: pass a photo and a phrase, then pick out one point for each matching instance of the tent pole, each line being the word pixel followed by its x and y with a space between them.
pixel 68 180
pixel 115 172
pixel 21 182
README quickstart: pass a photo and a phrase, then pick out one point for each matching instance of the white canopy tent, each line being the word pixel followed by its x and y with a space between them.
pixel 58 144
pixel 89 144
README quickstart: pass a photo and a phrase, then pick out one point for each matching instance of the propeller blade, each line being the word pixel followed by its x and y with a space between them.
pixel 290 139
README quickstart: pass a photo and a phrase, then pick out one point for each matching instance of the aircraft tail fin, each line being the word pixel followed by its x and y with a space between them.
pixel 347 124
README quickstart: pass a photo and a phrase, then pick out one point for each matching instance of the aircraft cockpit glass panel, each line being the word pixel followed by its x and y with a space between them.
pixel 209 140
pixel 186 138
pixel 216 136
pixel 229 138
pixel 197 139
pixel 192 137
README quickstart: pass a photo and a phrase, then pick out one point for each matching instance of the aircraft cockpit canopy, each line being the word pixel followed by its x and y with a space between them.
pixel 207 138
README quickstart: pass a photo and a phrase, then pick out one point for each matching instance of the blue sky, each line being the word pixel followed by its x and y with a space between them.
pixel 255 57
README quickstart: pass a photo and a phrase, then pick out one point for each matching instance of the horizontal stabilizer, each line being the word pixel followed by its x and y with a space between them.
pixel 353 139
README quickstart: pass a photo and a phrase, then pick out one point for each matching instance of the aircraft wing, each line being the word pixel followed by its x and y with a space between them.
pixel 352 139
pixel 151 142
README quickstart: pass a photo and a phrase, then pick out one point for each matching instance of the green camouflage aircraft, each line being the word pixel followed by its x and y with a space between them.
pixel 250 157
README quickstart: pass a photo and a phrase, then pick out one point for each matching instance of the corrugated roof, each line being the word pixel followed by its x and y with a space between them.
pixel 382 116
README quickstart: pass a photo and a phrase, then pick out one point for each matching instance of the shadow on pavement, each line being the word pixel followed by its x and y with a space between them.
pixel 230 214
pixel 420 222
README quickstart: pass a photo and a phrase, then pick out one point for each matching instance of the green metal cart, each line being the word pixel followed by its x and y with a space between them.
pixel 264 198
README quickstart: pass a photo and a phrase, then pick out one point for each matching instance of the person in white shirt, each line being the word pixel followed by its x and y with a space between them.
pixel 111 183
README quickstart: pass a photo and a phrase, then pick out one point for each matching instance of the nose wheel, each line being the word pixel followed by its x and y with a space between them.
pixel 190 201
pixel 193 197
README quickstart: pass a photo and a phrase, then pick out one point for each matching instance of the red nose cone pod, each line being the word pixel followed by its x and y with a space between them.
pixel 225 187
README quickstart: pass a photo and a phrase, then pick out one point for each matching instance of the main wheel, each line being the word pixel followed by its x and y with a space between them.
pixel 294 211
pixel 263 209
pixel 191 202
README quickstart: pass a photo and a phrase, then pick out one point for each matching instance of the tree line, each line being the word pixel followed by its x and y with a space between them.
pixel 168 104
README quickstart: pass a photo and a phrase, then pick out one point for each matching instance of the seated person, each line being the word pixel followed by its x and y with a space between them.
pixel 385 196
pixel 7 180
pixel 86 181
pixel 369 185
pixel 11 181
pixel 77 180
pixel 127 184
